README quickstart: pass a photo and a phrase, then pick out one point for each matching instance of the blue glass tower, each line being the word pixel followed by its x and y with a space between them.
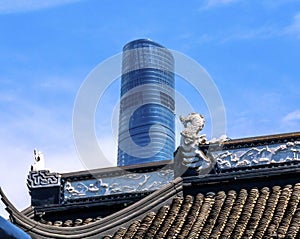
pixel 146 120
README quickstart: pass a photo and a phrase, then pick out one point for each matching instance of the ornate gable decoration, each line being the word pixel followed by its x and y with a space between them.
pixel 40 177
pixel 43 178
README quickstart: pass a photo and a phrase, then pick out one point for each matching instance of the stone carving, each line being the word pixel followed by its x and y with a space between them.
pixel 81 188
pixel 260 155
pixel 39 163
pixel 193 124
pixel 128 183
pixel 223 138
pixel 190 154
pixel 43 178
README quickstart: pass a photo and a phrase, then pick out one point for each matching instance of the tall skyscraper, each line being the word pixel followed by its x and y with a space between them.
pixel 146 120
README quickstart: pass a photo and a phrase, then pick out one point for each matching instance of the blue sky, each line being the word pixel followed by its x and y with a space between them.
pixel 251 49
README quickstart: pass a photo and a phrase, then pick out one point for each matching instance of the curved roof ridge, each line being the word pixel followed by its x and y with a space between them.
pixel 107 225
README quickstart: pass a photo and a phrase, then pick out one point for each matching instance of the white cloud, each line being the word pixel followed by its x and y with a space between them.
pixel 271 4
pixel 292 117
pixel 15 163
pixel 267 31
pixel 57 84
pixel 27 125
pixel 291 121
pixel 30 123
pixel 294 28
pixel 12 6
pixel 217 3
pixel 264 32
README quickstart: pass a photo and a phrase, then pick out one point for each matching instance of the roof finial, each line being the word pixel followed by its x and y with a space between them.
pixel 39 163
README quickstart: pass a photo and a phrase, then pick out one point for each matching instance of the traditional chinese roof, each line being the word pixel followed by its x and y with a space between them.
pixel 96 228
pixel 268 212
pixel 255 213
pixel 256 199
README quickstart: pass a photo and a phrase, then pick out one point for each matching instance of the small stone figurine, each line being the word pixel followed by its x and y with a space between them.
pixel 193 124
pixel 190 154
pixel 39 163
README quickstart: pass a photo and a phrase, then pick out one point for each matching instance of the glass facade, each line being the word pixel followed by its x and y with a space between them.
pixel 146 120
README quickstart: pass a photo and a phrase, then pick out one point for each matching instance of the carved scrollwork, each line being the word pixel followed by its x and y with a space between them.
pixel 259 155
pixel 128 183
pixel 38 179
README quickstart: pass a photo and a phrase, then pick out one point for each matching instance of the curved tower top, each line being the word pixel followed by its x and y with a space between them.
pixel 146 121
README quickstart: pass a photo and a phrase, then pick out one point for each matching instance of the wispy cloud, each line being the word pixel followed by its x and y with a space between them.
pixel 292 117
pixel 268 31
pixel 217 3
pixel 291 121
pixel 263 32
pixel 57 84
pixel 294 27
pixel 271 4
pixel 26 126
pixel 15 164
pixel 13 6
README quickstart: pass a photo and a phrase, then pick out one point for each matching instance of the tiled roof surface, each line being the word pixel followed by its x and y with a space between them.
pixel 71 223
pixel 265 213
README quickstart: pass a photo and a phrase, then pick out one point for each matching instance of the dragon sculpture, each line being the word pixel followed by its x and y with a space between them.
pixel 191 155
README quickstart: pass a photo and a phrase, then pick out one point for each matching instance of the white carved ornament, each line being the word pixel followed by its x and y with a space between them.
pixel 191 155
pixel 39 163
